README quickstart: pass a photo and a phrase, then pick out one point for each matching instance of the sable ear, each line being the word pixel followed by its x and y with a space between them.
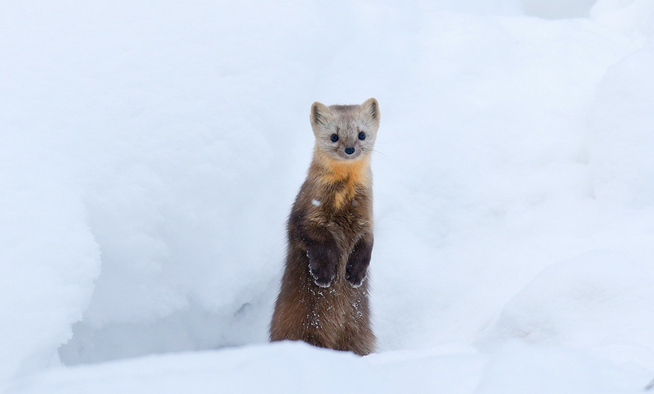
pixel 319 114
pixel 370 109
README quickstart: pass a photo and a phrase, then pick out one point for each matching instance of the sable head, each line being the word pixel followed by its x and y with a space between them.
pixel 346 132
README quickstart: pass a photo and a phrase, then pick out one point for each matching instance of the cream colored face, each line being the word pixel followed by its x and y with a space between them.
pixel 346 132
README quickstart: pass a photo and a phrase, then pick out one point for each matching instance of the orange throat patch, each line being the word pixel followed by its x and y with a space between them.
pixel 353 172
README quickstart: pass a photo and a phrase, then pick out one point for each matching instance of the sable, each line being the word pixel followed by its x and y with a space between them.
pixel 323 298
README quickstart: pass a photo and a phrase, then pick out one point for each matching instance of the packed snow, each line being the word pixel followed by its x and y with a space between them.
pixel 150 153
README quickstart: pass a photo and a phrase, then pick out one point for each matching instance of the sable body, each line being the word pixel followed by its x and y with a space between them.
pixel 324 292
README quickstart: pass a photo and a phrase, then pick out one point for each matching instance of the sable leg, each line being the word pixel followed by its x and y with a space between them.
pixel 323 260
pixel 357 265
pixel 322 250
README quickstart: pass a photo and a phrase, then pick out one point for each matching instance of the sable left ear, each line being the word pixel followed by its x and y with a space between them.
pixel 370 108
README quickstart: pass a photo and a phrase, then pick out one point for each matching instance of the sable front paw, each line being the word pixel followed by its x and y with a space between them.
pixel 354 276
pixel 322 275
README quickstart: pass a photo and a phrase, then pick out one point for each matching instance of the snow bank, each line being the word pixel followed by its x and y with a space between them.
pixel 49 258
pixel 298 368
pixel 633 18
pixel 282 368
pixel 555 9
pixel 516 368
pixel 622 142
pixel 484 177
pixel 598 301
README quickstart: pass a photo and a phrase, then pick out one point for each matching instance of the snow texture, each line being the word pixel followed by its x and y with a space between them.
pixel 150 153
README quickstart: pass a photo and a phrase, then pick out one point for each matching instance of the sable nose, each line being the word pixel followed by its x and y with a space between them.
pixel 349 151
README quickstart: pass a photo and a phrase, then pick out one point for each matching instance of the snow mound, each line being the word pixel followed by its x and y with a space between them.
pixel 518 368
pixel 621 123
pixel 633 18
pixel 279 368
pixel 298 368
pixel 484 178
pixel 48 256
pixel 599 301
pixel 558 9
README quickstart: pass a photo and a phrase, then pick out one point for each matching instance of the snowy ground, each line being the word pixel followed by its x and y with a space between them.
pixel 150 151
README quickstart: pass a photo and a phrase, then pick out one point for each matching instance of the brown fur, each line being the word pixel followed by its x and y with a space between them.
pixel 324 295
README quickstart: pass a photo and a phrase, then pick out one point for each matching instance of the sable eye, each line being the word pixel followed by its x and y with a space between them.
pixel 362 136
pixel 334 138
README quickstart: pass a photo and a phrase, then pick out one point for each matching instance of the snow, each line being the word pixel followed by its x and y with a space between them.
pixel 598 301
pixel 298 368
pixel 150 154
pixel 555 9
pixel 48 255
pixel 286 368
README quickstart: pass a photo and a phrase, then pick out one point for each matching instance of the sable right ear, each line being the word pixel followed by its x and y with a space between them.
pixel 319 114
pixel 370 108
